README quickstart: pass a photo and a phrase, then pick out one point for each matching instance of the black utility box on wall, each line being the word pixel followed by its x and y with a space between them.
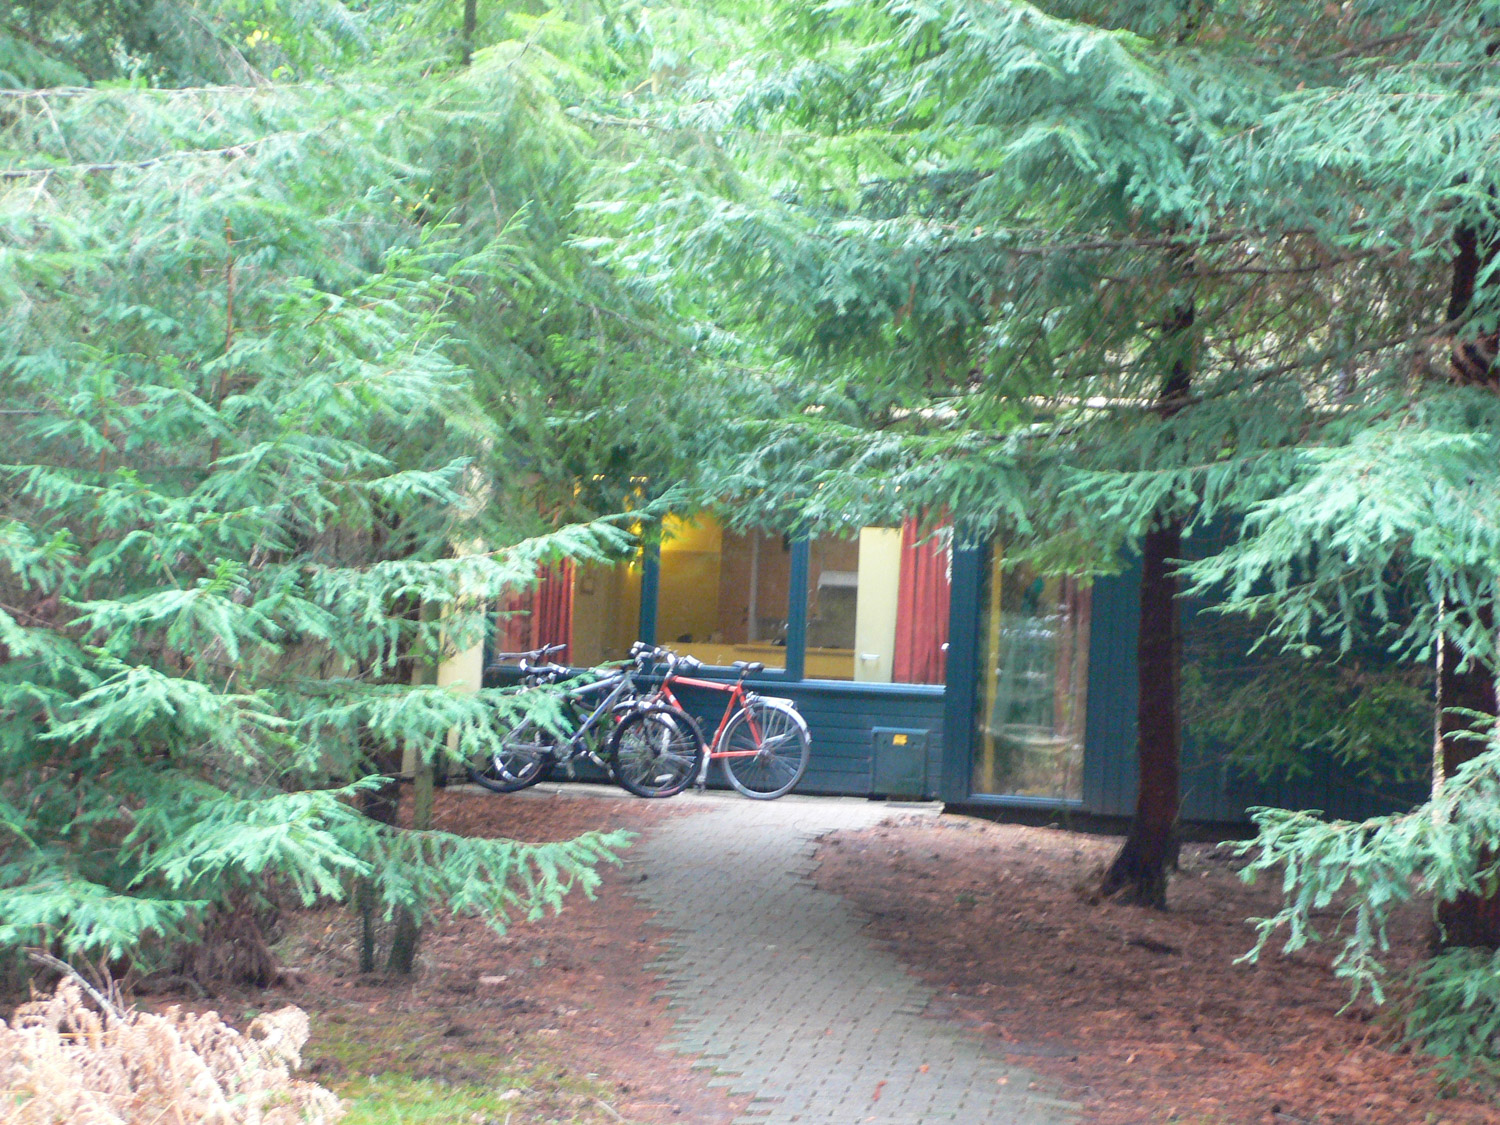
pixel 898 762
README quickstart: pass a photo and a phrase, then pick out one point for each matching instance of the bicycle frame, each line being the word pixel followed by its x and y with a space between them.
pixel 738 698
pixel 648 747
pixel 740 706
pixel 617 687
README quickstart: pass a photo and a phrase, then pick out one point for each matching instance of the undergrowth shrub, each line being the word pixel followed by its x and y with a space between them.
pixel 61 1061
pixel 1453 1011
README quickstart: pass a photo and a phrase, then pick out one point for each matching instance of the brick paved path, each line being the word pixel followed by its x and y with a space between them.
pixel 776 986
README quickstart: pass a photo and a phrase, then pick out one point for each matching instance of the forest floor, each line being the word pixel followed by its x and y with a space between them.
pixel 1142 1017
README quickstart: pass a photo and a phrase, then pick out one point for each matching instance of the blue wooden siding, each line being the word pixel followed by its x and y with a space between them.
pixel 1109 732
pixel 842 718
pixel 1212 790
pixel 963 678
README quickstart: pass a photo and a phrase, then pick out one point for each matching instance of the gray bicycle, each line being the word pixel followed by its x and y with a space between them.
pixel 650 748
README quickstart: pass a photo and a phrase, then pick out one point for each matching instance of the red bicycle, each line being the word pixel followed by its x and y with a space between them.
pixel 763 741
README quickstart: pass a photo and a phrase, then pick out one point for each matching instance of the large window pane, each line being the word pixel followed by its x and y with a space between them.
pixel 877 606
pixel 723 594
pixel 594 609
pixel 1033 680
pixel 606 612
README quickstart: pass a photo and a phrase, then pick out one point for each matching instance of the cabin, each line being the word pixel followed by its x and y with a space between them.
pixel 925 668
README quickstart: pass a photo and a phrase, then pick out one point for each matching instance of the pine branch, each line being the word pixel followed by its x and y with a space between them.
pixel 236 151
pixel 43 45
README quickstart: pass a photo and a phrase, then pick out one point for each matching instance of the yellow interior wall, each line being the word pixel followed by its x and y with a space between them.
pixel 688 596
pixel 606 612
pixel 875 613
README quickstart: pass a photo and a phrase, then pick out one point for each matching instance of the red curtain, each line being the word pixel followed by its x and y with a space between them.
pixel 552 609
pixel 921 608
pixel 513 632
pixel 542 615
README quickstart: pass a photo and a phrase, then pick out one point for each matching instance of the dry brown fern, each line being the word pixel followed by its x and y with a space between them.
pixel 61 1061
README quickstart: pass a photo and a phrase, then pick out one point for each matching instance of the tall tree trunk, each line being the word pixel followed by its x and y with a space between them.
pixel 1139 872
pixel 408 930
pixel 1470 919
pixel 379 805
pixel 471 24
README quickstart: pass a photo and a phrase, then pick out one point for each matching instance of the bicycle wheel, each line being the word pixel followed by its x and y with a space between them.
pixel 524 757
pixel 768 747
pixel 655 752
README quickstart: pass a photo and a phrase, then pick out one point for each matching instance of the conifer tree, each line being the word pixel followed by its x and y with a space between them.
pixel 296 342
pixel 984 216
pixel 965 218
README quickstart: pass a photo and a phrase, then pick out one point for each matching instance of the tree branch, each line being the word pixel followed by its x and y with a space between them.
pixel 242 148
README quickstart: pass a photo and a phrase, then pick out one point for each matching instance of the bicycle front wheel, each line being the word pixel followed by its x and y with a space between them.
pixel 523 758
pixel 655 752
pixel 765 749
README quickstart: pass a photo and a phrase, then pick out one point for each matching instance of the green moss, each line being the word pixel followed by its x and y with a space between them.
pixel 395 1099
pixel 411 1069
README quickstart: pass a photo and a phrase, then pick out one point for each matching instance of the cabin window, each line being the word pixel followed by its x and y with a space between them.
pixel 876 602
pixel 877 605
pixel 722 594
pixel 1033 681
pixel 594 609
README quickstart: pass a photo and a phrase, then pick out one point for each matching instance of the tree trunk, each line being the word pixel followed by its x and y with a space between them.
pixel 404 941
pixel 471 24
pixel 1139 872
pixel 1470 919
pixel 379 805
pixel 408 932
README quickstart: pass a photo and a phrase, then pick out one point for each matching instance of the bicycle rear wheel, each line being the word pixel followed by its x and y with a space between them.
pixel 655 752
pixel 524 757
pixel 768 749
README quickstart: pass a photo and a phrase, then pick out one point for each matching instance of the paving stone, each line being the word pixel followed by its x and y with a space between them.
pixel 778 984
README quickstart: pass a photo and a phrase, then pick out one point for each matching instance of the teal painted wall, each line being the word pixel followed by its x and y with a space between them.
pixel 1212 790
pixel 842 718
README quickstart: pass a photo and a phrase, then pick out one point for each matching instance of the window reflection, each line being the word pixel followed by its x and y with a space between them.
pixel 1033 683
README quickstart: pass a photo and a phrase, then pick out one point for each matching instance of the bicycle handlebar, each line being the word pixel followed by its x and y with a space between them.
pixel 647 655
pixel 548 671
pixel 532 655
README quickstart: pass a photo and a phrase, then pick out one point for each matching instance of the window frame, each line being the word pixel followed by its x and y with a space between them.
pixel 796 615
pixel 965 571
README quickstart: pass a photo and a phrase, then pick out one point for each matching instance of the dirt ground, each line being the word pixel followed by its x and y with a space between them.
pixel 1143 1017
